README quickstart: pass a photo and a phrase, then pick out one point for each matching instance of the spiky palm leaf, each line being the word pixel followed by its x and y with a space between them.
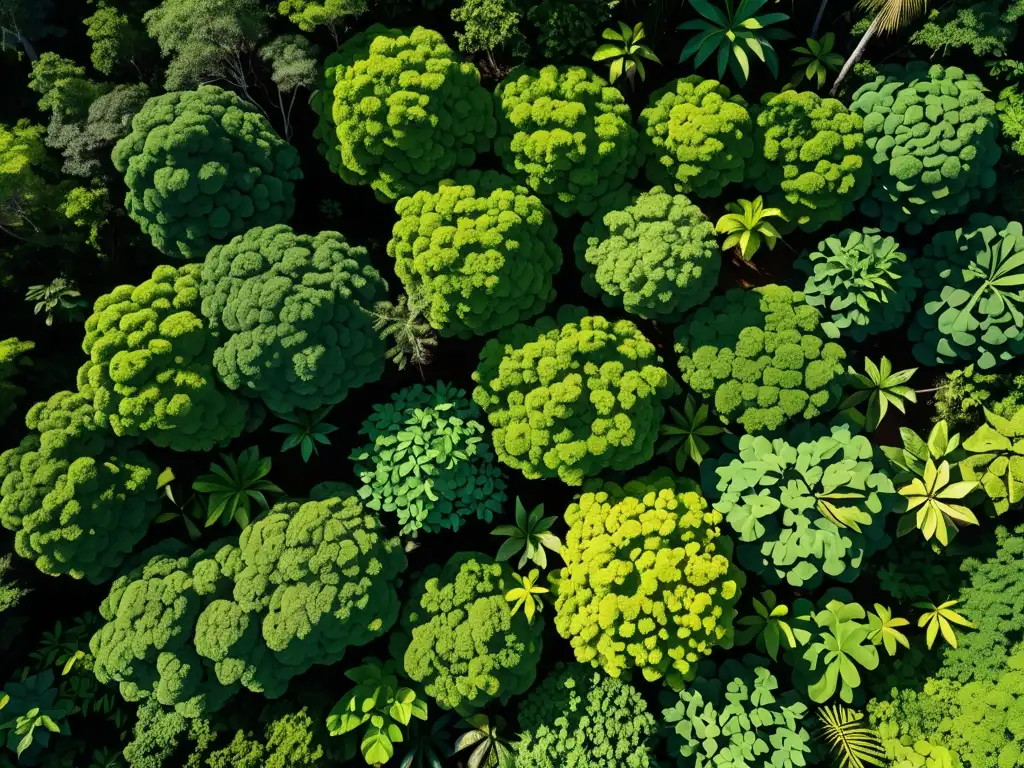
pixel 853 743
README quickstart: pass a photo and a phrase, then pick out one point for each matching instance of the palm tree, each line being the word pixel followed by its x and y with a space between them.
pixel 890 16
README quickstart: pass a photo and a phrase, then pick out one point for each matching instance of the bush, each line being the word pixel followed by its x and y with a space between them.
pixel 465 647
pixel 648 581
pixel 697 137
pixel 656 258
pixel 963 395
pixel 480 250
pixel 427 461
pixel 862 283
pixel 810 159
pixel 203 166
pixel 579 717
pixel 290 312
pixel 400 111
pixel 571 396
pixel 932 131
pixel 784 500
pixel 150 368
pixel 567 135
pixel 12 363
pixel 762 355
pixel 736 715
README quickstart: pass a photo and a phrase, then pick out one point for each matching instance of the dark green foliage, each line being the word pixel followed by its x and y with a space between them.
pixel 562 27
pixel 428 462
pixel 189 195
pixel 724 350
pixel 987 28
pixel 963 394
pixel 579 716
pixel 686 432
pixel 232 488
pixel 290 313
pixel 10 592
pixel 119 43
pixel 306 431
pixel 163 738
pixel 31 715
pixel 403 326
pixel 13 363
pixel 293 740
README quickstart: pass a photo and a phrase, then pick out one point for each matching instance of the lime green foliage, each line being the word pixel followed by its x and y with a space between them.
pixel 625 52
pixel 762 355
pixel 118 41
pixel 31 713
pixel 465 645
pixel 479 250
pixel 28 201
pixel 657 258
pixel 579 717
pixel 594 403
pixel 310 14
pixel 849 739
pixel 12 364
pixel 887 630
pixel 686 432
pixel 293 740
pixel 188 194
pixel 150 371
pixel 880 387
pixel 567 135
pixel 648 580
pixel 369 129
pixel 427 460
pixel 974 305
pixel 931 131
pixel 746 225
pixel 289 311
pixel 77 501
pixel 697 136
pixel 941 618
pixel 530 534
pixel 1010 108
pixel 736 715
pixel 810 158
pixel 996 460
pixel 987 28
pixel 806 505
pixel 527 595
pixel 10 592
pixel 770 627
pixel 489 25
pixel 162 737
pixel 862 282
pixel 965 393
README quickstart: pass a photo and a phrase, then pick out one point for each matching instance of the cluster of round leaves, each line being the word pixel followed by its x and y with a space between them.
pixel 932 132
pixel 648 580
pixel 571 396
pixel 289 313
pixel 150 371
pixel 763 357
pixel 479 250
pixel 861 281
pixel 428 462
pixel 464 644
pixel 974 301
pixel 77 500
pixel 657 258
pixel 203 166
pixel 400 111
pixel 804 506
pixel 696 137
pixel 580 717
pixel 568 135
pixel 810 159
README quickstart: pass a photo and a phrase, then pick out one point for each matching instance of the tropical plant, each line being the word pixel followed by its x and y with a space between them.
pixel 885 629
pixel 996 459
pixel 233 488
pixel 404 322
pixel 305 429
pixel 188 510
pixel 31 712
pixel 485 735
pixel 889 17
pixel 427 747
pixel 685 435
pixel 910 458
pixel 625 51
pixel 59 296
pixel 931 506
pixel 10 592
pixel 530 534
pixel 880 387
pixel 770 627
pixel 734 33
pixel 816 60
pixel 527 595
pixel 938 619
pixel 379 701
pixel 852 742
pixel 746 226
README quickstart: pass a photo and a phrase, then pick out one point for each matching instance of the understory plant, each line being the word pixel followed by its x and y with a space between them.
pixel 880 387
pixel 530 534
pixel 232 488
pixel 625 52
pixel 734 34
pixel 746 227
pixel 684 434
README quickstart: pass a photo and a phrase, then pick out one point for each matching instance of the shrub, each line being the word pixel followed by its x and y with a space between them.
pixel 736 715
pixel 203 166
pixel 974 281
pixel 571 396
pixel 932 133
pixel 810 159
pixel 809 504
pixel 579 717
pixel 648 580
pixel 763 357
pixel 479 250
pixel 427 461
pixel 656 258
pixel 862 283
pixel 697 137
pixel 12 363
pixel 150 368
pixel 400 111
pixel 963 394
pixel 290 312
pixel 567 135
pixel 465 647
pixel 996 460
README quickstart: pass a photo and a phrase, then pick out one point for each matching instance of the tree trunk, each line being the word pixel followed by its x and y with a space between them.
pixel 817 19
pixel 855 56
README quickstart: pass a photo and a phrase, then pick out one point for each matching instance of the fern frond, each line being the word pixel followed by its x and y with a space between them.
pixel 855 744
